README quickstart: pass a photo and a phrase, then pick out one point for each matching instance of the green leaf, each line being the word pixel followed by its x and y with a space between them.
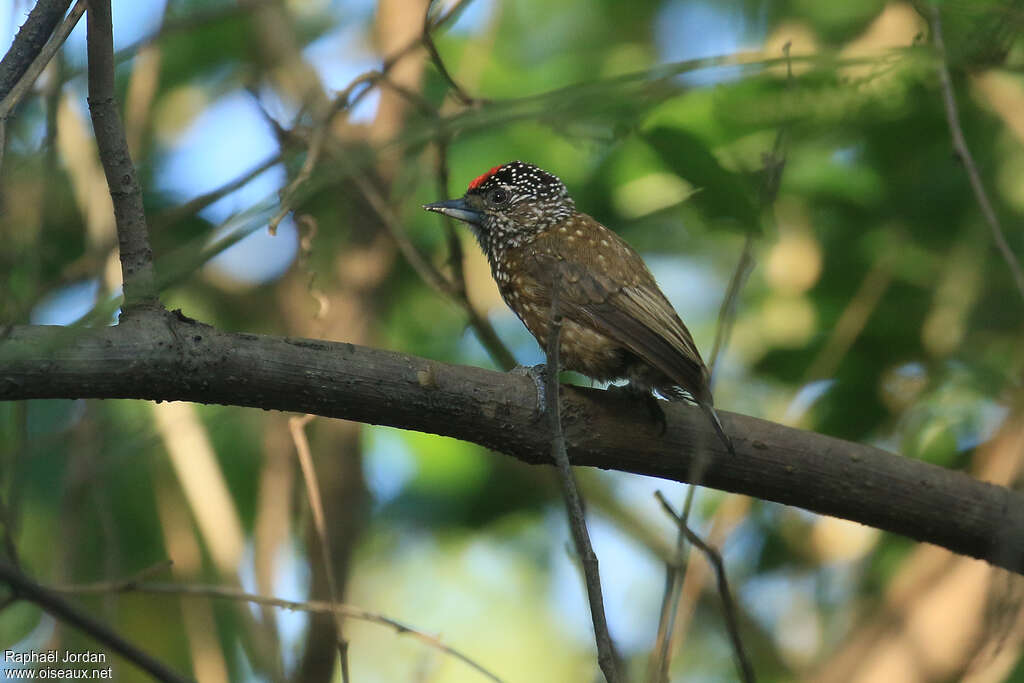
pixel 721 194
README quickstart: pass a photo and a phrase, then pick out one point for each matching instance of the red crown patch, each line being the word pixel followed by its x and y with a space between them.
pixel 480 180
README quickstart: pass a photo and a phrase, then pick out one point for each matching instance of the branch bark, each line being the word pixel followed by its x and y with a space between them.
pixel 165 356
pixel 607 659
pixel 12 96
pixel 33 34
pixel 132 234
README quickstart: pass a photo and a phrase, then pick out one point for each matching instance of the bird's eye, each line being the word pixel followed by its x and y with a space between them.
pixel 499 197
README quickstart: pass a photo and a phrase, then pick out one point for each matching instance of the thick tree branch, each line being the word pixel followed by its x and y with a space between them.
pixel 179 359
pixel 132 234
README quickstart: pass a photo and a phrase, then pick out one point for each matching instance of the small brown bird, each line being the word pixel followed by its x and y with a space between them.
pixel 617 324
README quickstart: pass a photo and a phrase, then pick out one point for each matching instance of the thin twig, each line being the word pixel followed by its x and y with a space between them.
pixel 25 588
pixel 122 585
pixel 193 206
pixel 606 657
pixel 24 84
pixel 296 425
pixel 455 256
pixel 454 289
pixel 7 519
pixel 488 337
pixel 139 280
pixel 318 139
pixel 428 42
pixel 85 264
pixel 345 100
pixel 434 277
pixel 728 605
pixel 964 152
pixel 132 585
pixel 423 267
pixel 316 146
pixel 774 162
pixel 411 96
pixel 727 311
pixel 398 55
pixel 31 37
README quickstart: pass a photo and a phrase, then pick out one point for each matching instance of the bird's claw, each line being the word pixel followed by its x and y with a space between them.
pixel 656 412
pixel 650 401
pixel 538 373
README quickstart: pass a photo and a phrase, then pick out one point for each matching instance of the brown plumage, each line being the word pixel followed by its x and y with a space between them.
pixel 617 324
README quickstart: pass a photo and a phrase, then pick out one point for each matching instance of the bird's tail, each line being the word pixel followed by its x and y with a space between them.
pixel 709 410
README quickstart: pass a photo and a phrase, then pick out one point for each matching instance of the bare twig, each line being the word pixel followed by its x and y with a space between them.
pixel 499 353
pixel 17 90
pixel 423 267
pixel 197 204
pixel 371 79
pixel 428 42
pixel 606 657
pixel 728 605
pixel 139 281
pixel 774 162
pixel 727 311
pixel 297 425
pixel 25 588
pixel 318 139
pixel 455 288
pixel 455 8
pixel 11 66
pixel 7 519
pixel 133 585
pixel 964 152
pixel 128 583
pixel 316 146
pixel 35 32
pixel 455 256
pixel 435 278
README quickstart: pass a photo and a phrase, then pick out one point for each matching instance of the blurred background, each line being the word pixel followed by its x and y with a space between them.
pixel 877 310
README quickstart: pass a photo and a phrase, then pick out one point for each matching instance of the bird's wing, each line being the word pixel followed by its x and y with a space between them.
pixel 618 297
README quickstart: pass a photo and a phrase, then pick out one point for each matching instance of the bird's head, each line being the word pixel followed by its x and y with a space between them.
pixel 509 205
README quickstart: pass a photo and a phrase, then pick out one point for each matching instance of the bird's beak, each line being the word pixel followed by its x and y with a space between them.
pixel 458 209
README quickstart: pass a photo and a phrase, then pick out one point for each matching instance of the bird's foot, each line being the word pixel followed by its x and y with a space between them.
pixel 538 373
pixel 651 402
pixel 656 412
